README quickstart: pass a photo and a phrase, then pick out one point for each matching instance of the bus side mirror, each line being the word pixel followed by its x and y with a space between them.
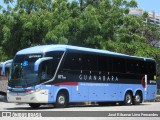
pixel 4 65
pixel 39 61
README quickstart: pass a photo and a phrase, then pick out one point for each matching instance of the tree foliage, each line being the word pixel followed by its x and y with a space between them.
pixel 103 24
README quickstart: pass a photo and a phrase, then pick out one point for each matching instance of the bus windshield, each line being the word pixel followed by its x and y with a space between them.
pixel 22 71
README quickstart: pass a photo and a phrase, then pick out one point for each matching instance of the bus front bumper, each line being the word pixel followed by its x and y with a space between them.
pixel 40 96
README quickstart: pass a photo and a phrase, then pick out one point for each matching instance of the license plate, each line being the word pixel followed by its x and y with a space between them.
pixel 18 98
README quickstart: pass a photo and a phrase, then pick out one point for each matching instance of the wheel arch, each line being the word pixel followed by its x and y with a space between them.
pixel 64 90
pixel 128 96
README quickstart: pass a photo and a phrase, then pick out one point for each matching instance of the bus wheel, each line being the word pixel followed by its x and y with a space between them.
pixel 137 99
pixel 34 105
pixel 128 99
pixel 62 100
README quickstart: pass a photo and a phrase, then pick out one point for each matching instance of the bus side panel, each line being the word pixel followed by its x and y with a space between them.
pixel 80 93
pixel 85 92
pixel 96 92
pixel 50 93
pixel 76 93
pixel 53 92
pixel 151 92
pixel 112 92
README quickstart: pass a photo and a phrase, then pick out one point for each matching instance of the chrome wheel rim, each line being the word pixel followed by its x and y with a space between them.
pixel 137 98
pixel 61 99
pixel 128 99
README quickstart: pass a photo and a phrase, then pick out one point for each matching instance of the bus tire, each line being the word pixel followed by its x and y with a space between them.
pixel 128 99
pixel 137 98
pixel 34 105
pixel 62 100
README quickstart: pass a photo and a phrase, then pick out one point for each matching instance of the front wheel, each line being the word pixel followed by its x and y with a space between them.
pixel 62 100
pixel 128 99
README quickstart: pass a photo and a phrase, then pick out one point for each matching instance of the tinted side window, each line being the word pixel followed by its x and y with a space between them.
pixel 56 57
pixel 72 61
pixel 105 63
pixel 131 66
pixel 55 61
pixel 142 67
pixel 55 54
pixel 46 70
pixel 89 62
pixel 136 66
pixel 151 67
pixel 118 65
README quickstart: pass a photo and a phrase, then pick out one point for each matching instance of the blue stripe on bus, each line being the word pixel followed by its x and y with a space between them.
pixel 99 91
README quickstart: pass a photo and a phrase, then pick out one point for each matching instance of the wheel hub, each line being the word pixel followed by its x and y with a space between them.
pixel 128 99
pixel 137 98
pixel 61 100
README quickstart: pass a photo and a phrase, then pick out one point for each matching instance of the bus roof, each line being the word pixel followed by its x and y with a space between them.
pixel 47 48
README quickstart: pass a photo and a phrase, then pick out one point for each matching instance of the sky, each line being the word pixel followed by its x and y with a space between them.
pixel 147 5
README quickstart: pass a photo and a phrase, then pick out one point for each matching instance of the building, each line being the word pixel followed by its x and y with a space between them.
pixel 152 16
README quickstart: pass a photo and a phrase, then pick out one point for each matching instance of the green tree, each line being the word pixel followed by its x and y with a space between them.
pixel 33 5
pixel 103 24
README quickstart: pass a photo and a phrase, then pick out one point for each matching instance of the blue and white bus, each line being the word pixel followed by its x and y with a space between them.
pixel 63 74
pixel 4 75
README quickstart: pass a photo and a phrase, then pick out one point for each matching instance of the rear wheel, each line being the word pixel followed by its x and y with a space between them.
pixel 137 99
pixel 128 99
pixel 34 105
pixel 62 100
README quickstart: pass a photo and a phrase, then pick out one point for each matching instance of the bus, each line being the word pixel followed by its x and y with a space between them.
pixel 64 74
pixel 4 74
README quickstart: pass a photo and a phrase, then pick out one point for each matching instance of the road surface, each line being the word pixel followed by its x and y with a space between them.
pixel 145 107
